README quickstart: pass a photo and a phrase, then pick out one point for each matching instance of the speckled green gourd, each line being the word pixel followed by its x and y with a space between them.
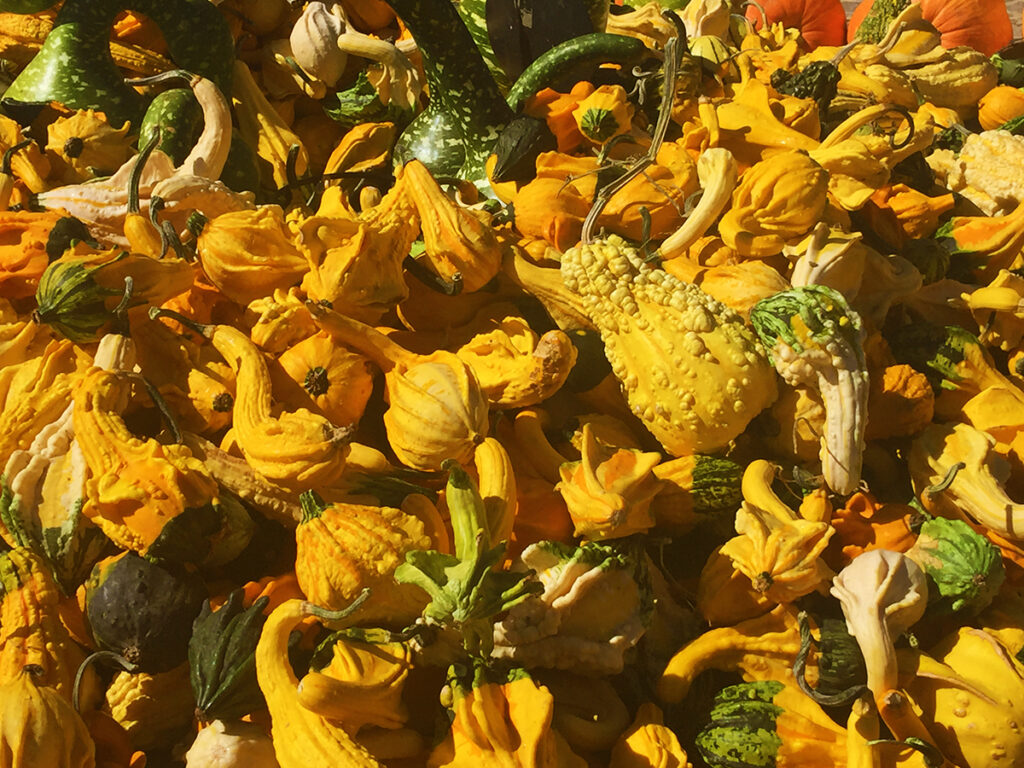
pixel 74 67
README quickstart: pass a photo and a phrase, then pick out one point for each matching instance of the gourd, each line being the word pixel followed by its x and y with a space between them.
pixel 248 254
pixel 88 145
pixel 609 490
pixel 149 497
pixel 231 744
pixel 221 659
pixel 355 263
pixel 298 449
pixel 1000 105
pixel 453 135
pixel 754 646
pixel 455 241
pixel 648 741
pixel 694 488
pixel 31 633
pixel 74 66
pixel 155 708
pixel 437 409
pixel 40 727
pixel 342 548
pixel 767 722
pixel 982 25
pixel 331 380
pixel 302 738
pixel 143 611
pixel 966 569
pixel 690 370
pixel 501 716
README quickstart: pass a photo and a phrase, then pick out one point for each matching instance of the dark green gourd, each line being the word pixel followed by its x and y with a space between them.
pixel 74 67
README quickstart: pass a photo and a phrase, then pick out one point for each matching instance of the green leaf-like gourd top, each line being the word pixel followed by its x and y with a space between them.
pixel 222 659
pixel 465 590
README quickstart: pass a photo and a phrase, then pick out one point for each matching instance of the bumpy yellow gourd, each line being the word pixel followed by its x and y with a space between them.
pixel 690 369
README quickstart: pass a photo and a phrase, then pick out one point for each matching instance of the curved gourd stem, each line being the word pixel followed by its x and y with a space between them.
pixel 91 659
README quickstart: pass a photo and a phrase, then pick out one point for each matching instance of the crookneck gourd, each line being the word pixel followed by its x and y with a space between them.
pixel 302 738
pixel 75 68
pixel 297 449
pixel 690 369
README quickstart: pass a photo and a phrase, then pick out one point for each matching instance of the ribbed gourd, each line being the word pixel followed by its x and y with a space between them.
pixel 39 727
pixel 342 548
pixel 31 632
pixel 689 368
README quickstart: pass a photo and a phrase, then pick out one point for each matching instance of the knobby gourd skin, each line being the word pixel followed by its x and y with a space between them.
pixel 689 368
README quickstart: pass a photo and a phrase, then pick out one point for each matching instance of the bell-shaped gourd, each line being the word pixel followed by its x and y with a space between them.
pixel 779 199
pixel 609 490
pixel 356 261
pixel 690 369
pixel 455 239
pixel 39 727
pixel 342 548
pixel 248 254
pixel 437 410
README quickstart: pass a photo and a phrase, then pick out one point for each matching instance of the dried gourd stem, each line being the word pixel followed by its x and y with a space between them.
pixel 89 660
pixel 946 481
pixel 136 175
pixel 5 166
pixel 431 279
pixel 161 405
pixel 206 331
pixel 163 77
pixel 800 668
pixel 606 193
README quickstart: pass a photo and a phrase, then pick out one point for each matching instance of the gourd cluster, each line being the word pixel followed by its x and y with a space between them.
pixel 416 384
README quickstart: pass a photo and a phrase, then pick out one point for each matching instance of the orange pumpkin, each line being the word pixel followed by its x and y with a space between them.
pixel 981 24
pixel 821 22
pixel 1000 105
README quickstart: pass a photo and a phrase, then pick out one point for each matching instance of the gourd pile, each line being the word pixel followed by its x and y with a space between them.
pixel 435 383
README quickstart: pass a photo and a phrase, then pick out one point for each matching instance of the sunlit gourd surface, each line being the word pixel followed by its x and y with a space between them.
pixel 484 384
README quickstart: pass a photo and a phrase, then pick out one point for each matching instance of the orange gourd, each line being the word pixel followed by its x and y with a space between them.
pixel 1000 105
pixel 981 24
pixel 821 22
